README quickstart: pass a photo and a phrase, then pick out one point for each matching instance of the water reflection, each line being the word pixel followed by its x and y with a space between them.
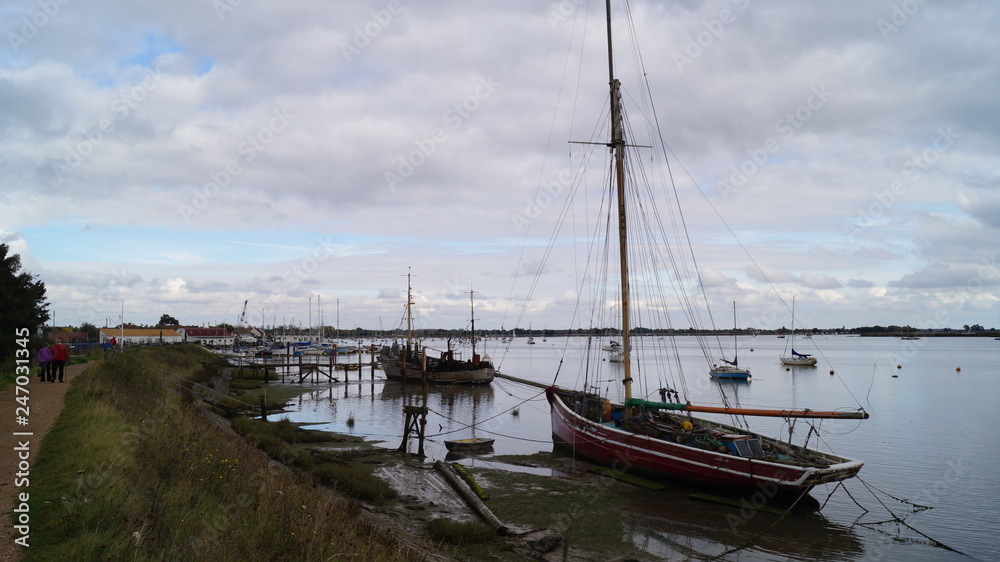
pixel 957 475
pixel 670 523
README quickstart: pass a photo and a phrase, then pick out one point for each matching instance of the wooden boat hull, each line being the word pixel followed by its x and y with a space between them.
pixel 472 445
pixel 606 444
pixel 393 368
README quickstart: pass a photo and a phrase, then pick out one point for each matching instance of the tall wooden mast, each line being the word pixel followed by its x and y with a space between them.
pixel 409 312
pixel 618 150
pixel 472 312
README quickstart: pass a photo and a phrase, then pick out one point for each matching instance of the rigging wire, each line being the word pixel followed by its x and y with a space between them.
pixel 753 540
pixel 491 418
pixel 548 144
pixel 901 520
pixel 916 508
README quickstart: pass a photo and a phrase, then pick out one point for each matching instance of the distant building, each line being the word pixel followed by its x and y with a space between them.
pixel 67 337
pixel 141 336
pixel 216 337
pixel 287 339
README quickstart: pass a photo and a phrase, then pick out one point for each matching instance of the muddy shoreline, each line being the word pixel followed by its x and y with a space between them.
pixel 540 498
pixel 539 511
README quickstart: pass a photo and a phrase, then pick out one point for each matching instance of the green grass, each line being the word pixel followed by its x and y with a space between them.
pixel 355 481
pixel 282 429
pixel 459 533
pixel 132 472
pixel 282 441
pixel 245 384
pixel 7 376
pixel 588 517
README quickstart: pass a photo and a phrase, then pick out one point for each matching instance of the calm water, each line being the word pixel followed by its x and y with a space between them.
pixel 931 439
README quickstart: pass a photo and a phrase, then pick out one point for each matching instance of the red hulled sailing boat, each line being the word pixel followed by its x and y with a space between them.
pixel 660 437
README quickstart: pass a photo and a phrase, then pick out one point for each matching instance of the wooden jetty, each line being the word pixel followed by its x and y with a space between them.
pixel 300 369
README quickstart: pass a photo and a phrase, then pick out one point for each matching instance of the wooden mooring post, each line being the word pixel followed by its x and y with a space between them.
pixel 373 371
pixel 416 421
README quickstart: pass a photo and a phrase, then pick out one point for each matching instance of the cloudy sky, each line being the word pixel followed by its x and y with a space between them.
pixel 186 157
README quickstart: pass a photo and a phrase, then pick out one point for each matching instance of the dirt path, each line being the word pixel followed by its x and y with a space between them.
pixel 45 401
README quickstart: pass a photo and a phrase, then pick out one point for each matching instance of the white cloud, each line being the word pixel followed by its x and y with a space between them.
pixel 175 121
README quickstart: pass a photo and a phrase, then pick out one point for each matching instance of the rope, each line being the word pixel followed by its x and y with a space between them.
pixel 900 521
pixel 900 500
pixel 830 495
pixel 753 540
pixel 498 414
pixel 856 502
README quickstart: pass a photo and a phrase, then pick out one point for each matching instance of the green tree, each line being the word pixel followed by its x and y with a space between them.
pixel 22 301
pixel 167 320
pixel 91 331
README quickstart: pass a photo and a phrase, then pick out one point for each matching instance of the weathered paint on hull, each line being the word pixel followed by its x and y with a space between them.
pixel 627 451
pixel 394 372
pixel 473 445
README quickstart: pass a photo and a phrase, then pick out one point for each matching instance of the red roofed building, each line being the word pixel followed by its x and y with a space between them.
pixel 206 336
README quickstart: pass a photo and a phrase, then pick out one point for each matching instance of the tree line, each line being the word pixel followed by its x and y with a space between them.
pixel 22 305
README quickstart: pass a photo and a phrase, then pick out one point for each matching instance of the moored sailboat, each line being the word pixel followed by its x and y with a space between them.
pixel 795 358
pixel 411 362
pixel 663 438
pixel 730 369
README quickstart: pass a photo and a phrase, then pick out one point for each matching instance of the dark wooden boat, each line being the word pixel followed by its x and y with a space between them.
pixel 470 445
pixel 411 362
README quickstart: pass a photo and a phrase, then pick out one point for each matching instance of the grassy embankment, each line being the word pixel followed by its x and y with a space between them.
pixel 133 471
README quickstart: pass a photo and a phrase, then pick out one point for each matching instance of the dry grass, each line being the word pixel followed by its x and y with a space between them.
pixel 131 472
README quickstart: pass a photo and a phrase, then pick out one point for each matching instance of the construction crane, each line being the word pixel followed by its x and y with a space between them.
pixel 240 331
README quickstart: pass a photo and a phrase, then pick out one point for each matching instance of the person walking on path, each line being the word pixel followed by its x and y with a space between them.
pixel 46 404
pixel 44 362
pixel 60 355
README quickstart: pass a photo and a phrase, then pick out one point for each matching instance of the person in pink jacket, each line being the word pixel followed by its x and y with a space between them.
pixel 44 362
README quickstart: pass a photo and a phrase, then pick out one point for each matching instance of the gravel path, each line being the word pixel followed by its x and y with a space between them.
pixel 45 401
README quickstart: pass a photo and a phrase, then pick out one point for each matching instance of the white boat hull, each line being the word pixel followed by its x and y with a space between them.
pixel 799 361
